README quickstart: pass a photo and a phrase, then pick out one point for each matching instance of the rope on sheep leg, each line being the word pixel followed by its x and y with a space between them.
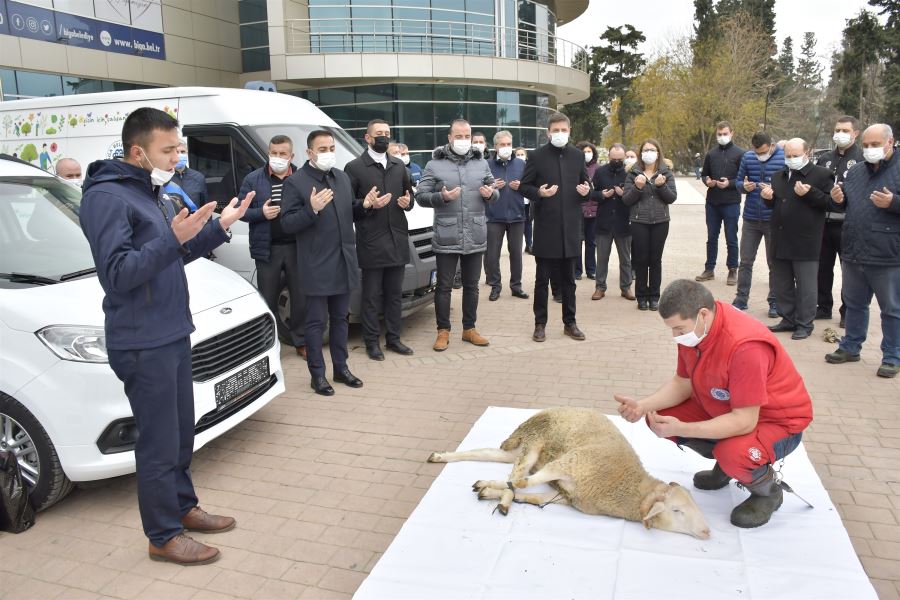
pixel 550 501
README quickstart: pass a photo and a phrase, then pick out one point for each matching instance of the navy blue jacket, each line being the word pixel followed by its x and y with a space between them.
pixel 755 208
pixel 140 263
pixel 723 161
pixel 260 227
pixel 194 184
pixel 510 206
pixel 871 235
pixel 612 214
pixel 415 173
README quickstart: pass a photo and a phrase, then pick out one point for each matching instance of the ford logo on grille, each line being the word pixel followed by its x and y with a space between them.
pixel 225 311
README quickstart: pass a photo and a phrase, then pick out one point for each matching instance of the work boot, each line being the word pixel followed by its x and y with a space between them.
pixel 627 294
pixel 705 276
pixel 841 356
pixel 887 370
pixel 713 479
pixel 765 498
pixel 442 341
pixel 473 337
pixel 732 277
pixel 184 550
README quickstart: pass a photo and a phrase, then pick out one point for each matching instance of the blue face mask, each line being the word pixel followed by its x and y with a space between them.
pixel 182 162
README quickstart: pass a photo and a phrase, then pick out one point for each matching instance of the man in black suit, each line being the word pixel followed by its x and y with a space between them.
pixel 556 182
pixel 798 197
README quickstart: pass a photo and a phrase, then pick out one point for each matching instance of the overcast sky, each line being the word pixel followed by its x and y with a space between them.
pixel 660 20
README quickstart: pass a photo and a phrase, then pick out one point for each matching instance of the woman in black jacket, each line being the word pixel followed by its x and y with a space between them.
pixel 649 190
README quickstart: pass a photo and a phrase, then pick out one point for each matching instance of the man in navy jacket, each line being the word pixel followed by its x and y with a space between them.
pixel 140 246
pixel 506 217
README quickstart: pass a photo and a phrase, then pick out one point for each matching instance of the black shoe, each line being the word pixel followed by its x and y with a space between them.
pixel 321 386
pixel 801 334
pixel 887 370
pixel 773 311
pixel 591 276
pixel 457 282
pixel 578 278
pixel 840 356
pixel 374 352
pixel 654 305
pixel 782 326
pixel 495 295
pixel 714 479
pixel 822 313
pixel 520 294
pixel 347 378
pixel 400 348
pixel 643 305
pixel 841 324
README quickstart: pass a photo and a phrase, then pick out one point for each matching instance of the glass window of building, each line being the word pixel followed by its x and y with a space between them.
pixel 36 85
pixel 8 84
pixel 254 26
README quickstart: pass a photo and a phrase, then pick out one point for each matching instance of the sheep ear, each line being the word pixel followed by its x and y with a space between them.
pixel 656 509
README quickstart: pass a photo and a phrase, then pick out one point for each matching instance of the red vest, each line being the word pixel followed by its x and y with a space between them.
pixel 708 365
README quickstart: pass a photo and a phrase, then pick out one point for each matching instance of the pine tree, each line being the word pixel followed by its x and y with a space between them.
pixel 786 60
pixel 859 70
pixel 705 27
pixel 891 53
pixel 809 71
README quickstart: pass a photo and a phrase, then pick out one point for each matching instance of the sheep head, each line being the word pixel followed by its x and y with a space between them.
pixel 672 508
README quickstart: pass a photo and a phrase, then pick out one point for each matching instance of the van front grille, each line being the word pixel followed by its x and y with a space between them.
pixel 222 353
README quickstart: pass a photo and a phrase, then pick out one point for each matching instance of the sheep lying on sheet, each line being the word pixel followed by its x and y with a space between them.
pixel 592 467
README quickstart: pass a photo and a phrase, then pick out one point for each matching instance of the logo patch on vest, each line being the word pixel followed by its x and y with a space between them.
pixel 755 454
pixel 720 394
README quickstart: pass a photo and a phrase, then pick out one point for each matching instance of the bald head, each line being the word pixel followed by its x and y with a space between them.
pixel 68 168
pixel 795 147
pixel 879 132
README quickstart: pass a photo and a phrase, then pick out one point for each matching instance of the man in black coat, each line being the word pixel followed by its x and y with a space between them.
pixel 798 197
pixel 556 182
pixel 845 154
pixel 319 208
pixel 612 223
pixel 381 181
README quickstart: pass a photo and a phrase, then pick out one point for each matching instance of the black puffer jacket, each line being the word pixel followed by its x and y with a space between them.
pixel 649 205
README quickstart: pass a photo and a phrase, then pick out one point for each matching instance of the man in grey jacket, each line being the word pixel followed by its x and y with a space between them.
pixel 457 183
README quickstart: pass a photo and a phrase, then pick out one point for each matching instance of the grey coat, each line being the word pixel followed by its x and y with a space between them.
pixel 651 204
pixel 460 226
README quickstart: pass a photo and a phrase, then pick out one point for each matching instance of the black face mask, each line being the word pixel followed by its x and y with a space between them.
pixel 381 143
pixel 616 164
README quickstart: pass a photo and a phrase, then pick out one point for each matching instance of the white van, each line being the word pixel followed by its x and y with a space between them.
pixel 228 132
pixel 63 412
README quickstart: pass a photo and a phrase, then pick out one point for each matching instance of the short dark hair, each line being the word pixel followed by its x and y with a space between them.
pixel 854 122
pixel 724 125
pixel 760 138
pixel 454 122
pixel 315 134
pixel 281 139
pixel 478 133
pixel 685 298
pixel 141 123
pixel 376 122
pixel 557 117
pixel 619 146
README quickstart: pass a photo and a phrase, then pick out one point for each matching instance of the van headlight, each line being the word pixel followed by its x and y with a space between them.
pixel 75 342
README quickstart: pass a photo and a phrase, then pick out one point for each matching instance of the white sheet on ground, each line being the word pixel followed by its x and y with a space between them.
pixel 453 547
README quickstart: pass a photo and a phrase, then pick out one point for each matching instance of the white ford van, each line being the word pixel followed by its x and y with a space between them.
pixel 63 412
pixel 228 132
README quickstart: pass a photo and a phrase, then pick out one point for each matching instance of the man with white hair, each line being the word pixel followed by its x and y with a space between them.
pixel 70 170
pixel 798 197
pixel 871 249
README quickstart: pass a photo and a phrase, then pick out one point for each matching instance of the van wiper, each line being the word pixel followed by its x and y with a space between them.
pixel 75 274
pixel 28 278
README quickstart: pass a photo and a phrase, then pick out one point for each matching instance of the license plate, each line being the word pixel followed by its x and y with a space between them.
pixel 235 386
pixel 433 278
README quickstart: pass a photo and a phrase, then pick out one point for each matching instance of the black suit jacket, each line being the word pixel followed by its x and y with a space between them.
pixel 798 221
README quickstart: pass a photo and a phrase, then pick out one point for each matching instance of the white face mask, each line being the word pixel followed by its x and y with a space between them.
pixel 691 339
pixel 588 157
pixel 723 139
pixel 75 182
pixel 795 163
pixel 278 164
pixel 504 152
pixel 325 161
pixel 522 156
pixel 764 157
pixel 158 176
pixel 479 146
pixel 649 157
pixel 873 155
pixel 629 162
pixel 559 138
pixel 405 158
pixel 461 147
pixel 842 139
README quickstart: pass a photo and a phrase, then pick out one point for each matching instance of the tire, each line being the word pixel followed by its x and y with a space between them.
pixel 51 484
pixel 283 317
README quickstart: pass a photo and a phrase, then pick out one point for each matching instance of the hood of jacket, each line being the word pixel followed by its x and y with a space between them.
pixel 445 152
pixel 101 171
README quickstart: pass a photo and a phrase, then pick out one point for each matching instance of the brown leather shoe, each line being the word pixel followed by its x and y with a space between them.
pixel 185 551
pixel 198 519
pixel 301 351
pixel 573 332
pixel 473 337
pixel 540 333
pixel 442 341
pixel 705 276
pixel 627 294
pixel 732 277
pixel 598 295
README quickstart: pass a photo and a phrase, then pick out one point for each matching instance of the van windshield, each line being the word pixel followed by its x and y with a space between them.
pixel 346 148
pixel 41 241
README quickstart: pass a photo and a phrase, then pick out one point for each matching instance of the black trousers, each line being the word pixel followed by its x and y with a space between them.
pixel 283 258
pixel 560 272
pixel 514 239
pixel 470 265
pixel 831 249
pixel 335 310
pixel 647 244
pixel 161 393
pixel 382 291
pixel 795 291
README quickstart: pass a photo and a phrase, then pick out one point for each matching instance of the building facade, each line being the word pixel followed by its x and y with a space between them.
pixel 417 64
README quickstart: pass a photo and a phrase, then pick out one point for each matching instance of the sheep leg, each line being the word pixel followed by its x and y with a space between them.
pixel 521 497
pixel 551 472
pixel 520 469
pixel 523 464
pixel 483 454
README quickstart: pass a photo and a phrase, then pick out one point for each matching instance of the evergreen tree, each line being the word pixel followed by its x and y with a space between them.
pixel 859 69
pixel 891 53
pixel 786 60
pixel 809 71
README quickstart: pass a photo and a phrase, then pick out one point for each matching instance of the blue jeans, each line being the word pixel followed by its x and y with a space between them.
pixel 860 283
pixel 715 216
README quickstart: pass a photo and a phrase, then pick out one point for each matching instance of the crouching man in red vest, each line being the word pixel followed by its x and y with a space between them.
pixel 736 397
